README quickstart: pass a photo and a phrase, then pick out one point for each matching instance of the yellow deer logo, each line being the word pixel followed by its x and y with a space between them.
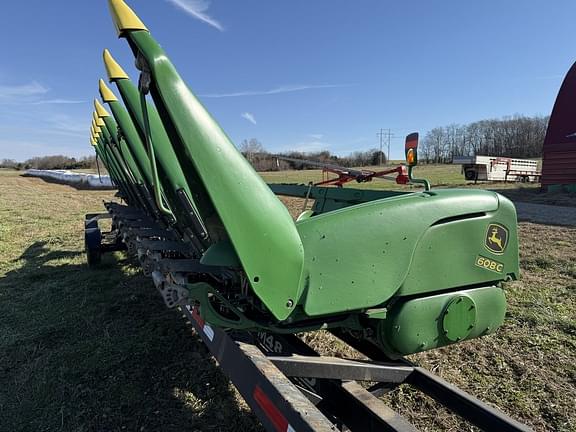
pixel 496 238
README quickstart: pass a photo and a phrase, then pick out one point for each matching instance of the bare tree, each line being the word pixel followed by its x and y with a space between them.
pixel 514 136
pixel 8 163
pixel 251 147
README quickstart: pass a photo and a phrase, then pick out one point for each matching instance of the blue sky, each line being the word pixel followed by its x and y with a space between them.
pixel 300 74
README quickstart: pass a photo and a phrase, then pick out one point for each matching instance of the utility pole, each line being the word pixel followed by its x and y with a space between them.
pixel 381 136
pixel 384 132
pixel 389 136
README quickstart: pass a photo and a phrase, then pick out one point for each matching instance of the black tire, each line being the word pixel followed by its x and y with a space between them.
pixel 131 247
pixel 470 174
pixel 93 257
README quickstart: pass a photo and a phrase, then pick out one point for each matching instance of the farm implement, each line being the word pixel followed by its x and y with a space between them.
pixel 390 273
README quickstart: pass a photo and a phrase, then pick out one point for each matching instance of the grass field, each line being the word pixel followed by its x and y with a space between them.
pixel 85 350
pixel 439 176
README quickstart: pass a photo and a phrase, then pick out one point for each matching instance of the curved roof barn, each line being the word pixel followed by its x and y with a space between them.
pixel 559 152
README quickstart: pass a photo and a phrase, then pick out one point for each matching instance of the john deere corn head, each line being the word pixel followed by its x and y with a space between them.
pixel 408 271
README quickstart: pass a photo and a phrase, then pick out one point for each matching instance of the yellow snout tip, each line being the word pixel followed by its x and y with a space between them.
pixel 125 20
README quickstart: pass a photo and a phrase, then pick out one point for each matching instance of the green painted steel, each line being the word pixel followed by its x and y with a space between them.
pixel 101 160
pixel 418 324
pixel 116 157
pixel 259 226
pixel 449 251
pixel 459 317
pixel 330 199
pixel 131 144
pixel 419 269
pixel 130 134
pixel 100 154
pixel 158 191
pixel 126 154
pixel 121 168
pixel 171 173
pixel 105 158
pixel 124 151
pixel 127 194
pixel 113 167
pixel 362 256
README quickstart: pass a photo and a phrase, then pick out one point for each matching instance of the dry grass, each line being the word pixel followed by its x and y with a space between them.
pixel 84 350
pixel 97 351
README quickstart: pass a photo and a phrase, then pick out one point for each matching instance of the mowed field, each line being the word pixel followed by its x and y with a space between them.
pixel 96 350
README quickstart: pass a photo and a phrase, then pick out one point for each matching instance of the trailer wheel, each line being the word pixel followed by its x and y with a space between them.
pixel 147 267
pixel 92 242
pixel 93 257
pixel 470 174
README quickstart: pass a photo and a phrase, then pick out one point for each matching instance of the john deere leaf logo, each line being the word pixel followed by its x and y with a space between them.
pixel 496 238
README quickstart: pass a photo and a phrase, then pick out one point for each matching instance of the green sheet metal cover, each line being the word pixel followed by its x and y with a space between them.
pixel 420 324
pixel 359 256
pixel 451 252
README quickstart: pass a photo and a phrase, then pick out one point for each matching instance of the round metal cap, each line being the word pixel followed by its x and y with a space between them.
pixel 459 318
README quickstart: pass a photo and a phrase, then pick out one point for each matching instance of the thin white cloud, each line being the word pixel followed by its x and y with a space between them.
pixel 316 136
pixel 277 90
pixel 64 123
pixel 22 90
pixel 57 102
pixel 32 124
pixel 197 9
pixel 31 93
pixel 249 116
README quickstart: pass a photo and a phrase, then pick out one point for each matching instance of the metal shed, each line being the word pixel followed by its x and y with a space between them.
pixel 559 152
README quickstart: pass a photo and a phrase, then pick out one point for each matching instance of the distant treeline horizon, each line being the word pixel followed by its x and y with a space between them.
pixel 515 136
pixel 55 162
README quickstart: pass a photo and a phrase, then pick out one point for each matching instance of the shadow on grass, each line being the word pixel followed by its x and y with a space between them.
pixel 96 350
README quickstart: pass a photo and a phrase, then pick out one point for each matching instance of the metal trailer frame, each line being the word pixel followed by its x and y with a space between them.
pixel 286 383
pixel 512 172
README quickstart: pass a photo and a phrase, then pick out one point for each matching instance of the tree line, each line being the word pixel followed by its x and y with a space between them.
pixel 262 160
pixel 516 136
pixel 252 149
pixel 51 163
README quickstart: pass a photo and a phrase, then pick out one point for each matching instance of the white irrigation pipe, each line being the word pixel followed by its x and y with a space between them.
pixel 80 180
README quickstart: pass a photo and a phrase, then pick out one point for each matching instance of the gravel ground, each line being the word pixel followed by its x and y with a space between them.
pixel 546 214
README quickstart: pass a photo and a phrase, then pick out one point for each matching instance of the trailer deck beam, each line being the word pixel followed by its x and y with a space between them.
pixel 337 368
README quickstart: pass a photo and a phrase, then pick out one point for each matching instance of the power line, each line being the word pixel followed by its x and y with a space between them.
pixel 389 135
